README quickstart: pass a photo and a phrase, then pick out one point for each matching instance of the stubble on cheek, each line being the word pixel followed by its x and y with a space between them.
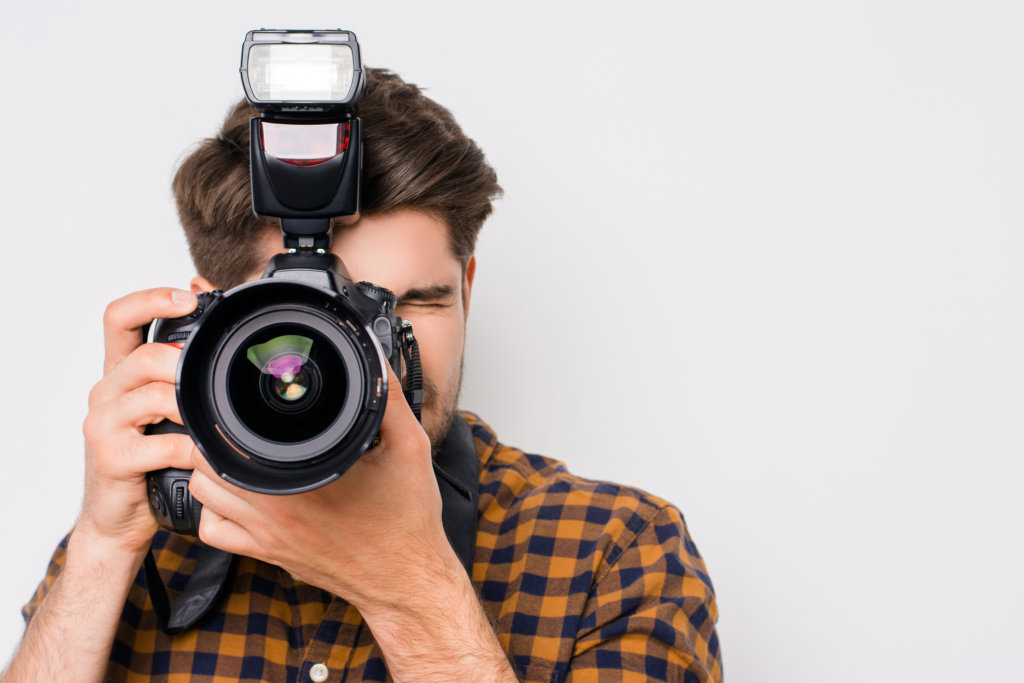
pixel 439 406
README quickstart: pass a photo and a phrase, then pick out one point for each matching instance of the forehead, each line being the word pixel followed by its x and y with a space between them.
pixel 399 250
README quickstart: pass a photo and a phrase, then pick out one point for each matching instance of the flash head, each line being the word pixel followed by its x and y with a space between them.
pixel 310 74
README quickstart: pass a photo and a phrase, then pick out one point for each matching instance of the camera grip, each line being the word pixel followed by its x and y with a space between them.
pixel 169 498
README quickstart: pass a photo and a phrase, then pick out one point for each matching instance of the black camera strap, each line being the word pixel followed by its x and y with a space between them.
pixel 413 371
pixel 457 468
pixel 204 587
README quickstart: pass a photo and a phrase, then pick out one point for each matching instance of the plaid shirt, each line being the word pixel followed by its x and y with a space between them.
pixel 582 580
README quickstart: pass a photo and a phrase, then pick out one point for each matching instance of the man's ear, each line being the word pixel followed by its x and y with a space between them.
pixel 467 283
pixel 201 284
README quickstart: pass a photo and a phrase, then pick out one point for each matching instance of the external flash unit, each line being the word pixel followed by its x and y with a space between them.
pixel 306 86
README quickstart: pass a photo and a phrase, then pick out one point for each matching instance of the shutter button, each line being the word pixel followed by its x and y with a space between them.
pixel 318 673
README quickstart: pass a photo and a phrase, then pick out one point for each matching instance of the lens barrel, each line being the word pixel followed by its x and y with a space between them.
pixel 282 386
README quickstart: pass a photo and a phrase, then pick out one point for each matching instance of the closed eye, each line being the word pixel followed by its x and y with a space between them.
pixel 432 296
pixel 424 304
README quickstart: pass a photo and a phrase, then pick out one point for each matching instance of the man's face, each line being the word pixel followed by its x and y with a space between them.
pixel 408 252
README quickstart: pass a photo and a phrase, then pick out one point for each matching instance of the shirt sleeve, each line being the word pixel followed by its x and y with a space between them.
pixel 52 572
pixel 651 615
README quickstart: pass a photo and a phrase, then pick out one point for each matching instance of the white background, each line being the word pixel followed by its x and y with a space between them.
pixel 762 259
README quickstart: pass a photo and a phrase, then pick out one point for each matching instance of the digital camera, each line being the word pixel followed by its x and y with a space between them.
pixel 283 382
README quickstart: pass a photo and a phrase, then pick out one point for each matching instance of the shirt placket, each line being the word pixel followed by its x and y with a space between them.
pixel 329 654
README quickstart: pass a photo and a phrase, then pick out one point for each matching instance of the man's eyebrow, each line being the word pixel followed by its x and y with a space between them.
pixel 428 293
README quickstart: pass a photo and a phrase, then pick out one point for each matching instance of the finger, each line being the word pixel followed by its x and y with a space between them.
pixel 143 454
pixel 201 465
pixel 398 416
pixel 221 496
pixel 148 363
pixel 127 414
pixel 124 318
pixel 400 431
pixel 220 532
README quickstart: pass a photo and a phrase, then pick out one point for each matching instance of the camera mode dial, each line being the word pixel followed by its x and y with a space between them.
pixel 384 297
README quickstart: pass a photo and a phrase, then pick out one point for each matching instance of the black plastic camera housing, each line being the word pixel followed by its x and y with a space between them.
pixel 282 382
pixel 261 439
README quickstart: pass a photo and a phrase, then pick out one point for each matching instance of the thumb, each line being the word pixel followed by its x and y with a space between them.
pixel 399 422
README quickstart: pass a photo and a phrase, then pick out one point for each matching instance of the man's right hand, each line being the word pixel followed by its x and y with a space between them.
pixel 137 390
pixel 70 635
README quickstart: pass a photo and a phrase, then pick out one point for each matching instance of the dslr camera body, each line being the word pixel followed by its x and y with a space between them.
pixel 283 382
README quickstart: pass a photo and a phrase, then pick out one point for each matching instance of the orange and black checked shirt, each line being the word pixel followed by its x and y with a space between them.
pixel 583 581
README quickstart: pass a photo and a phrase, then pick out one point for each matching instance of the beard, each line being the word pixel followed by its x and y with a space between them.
pixel 440 407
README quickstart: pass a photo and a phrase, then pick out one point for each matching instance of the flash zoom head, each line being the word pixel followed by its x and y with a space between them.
pixel 304 74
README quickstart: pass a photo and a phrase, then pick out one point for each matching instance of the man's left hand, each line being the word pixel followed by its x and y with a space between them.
pixel 372 536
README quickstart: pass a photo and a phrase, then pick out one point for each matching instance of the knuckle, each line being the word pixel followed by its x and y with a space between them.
pixel 206 525
pixel 104 461
pixel 197 486
pixel 112 313
pixel 94 394
pixel 91 427
pixel 413 441
pixel 419 441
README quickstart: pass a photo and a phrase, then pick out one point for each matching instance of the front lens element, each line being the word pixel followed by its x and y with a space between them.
pixel 283 72
pixel 287 383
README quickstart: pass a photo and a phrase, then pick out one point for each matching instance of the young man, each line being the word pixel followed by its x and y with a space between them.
pixel 358 580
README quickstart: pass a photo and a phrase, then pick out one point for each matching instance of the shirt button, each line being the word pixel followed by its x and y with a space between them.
pixel 318 673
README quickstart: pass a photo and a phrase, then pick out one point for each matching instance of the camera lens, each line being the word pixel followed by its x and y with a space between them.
pixel 286 383
pixel 283 386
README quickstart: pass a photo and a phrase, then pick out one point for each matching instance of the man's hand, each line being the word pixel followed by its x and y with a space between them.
pixel 371 536
pixel 137 390
pixel 71 633
pixel 375 538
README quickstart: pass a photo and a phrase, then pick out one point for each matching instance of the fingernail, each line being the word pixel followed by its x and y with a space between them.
pixel 182 298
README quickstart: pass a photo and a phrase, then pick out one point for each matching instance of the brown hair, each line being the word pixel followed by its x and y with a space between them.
pixel 415 155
